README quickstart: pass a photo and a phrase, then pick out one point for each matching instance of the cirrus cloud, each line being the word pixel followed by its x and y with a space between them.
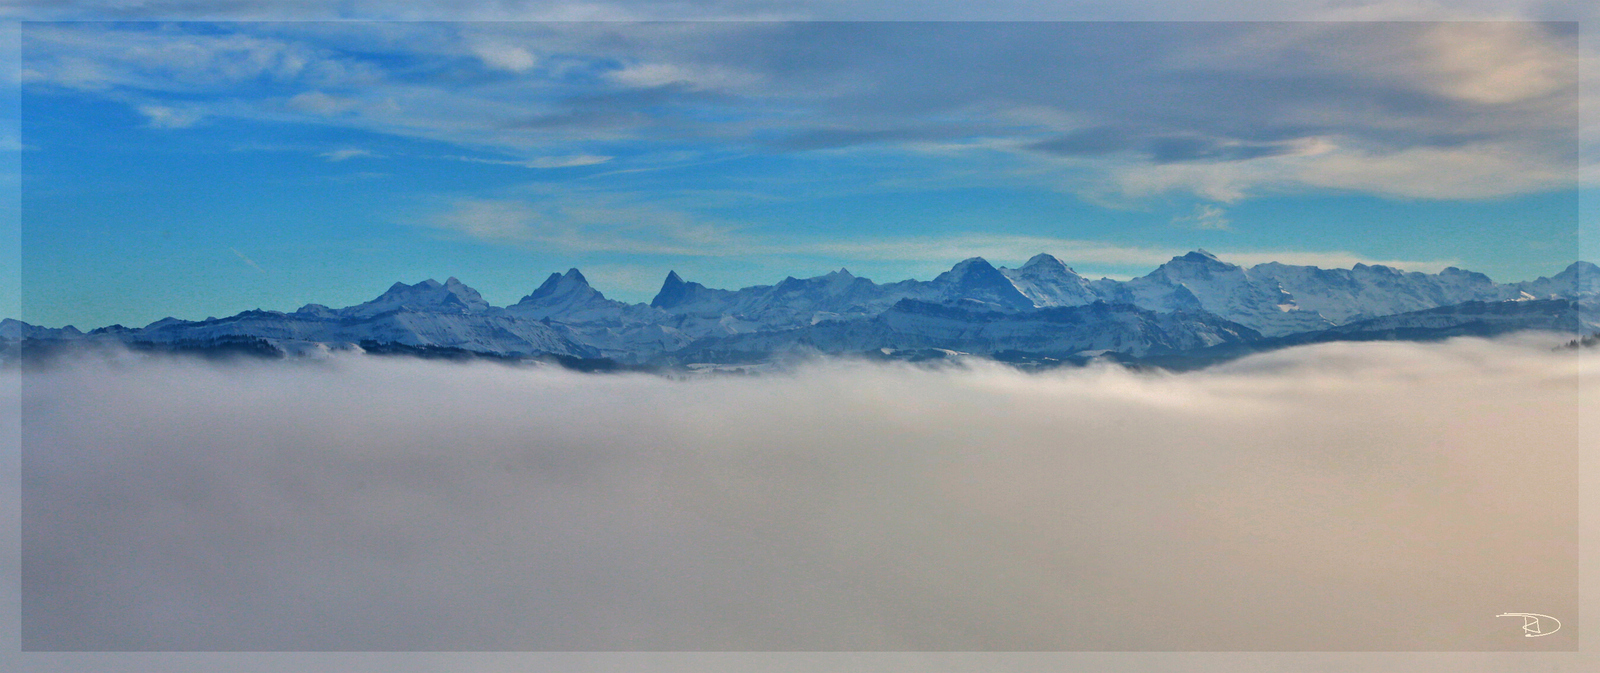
pixel 1225 111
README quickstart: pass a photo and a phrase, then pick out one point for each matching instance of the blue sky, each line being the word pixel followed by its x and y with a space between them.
pixel 195 169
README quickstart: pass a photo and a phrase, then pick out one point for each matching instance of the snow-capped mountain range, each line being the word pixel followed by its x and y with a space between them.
pixel 1194 301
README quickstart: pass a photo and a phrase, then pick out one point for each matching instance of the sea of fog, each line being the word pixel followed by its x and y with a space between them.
pixel 1341 497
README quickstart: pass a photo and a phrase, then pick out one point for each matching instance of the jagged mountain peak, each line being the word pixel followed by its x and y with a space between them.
pixel 572 278
pixel 1042 305
pixel 675 291
pixel 430 294
pixel 1377 268
pixel 571 289
pixel 420 286
pixel 467 295
pixel 458 288
pixel 815 287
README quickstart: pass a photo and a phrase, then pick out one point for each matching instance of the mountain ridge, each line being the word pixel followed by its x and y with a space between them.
pixel 1195 300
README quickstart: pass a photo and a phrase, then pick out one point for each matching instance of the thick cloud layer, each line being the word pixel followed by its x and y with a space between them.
pixel 1342 497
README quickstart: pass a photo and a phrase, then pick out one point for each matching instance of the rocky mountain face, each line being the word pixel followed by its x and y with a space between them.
pixel 487 331
pixel 1192 302
pixel 1059 332
pixel 1472 318
pixel 1580 280
pixel 428 296
pixel 1347 295
pixel 1046 281
pixel 1200 281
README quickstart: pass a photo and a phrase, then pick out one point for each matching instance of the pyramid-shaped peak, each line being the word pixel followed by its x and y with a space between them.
pixel 973 270
pixel 841 273
pixel 673 291
pixel 1200 255
pixel 455 286
pixel 977 279
pixel 574 275
pixel 1044 261
pixel 971 265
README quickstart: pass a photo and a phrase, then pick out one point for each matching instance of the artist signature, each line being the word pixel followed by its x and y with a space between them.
pixel 1534 625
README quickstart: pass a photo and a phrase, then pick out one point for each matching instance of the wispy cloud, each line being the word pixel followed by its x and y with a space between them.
pixel 569 161
pixel 252 263
pixel 651 75
pixel 163 117
pixel 489 220
pixel 1472 171
pixel 590 222
pixel 1205 217
pixel 1330 260
pixel 615 223
pixel 1005 248
pixel 319 103
pixel 508 57
pixel 98 58
pixel 346 153
pixel 996 247
pixel 1228 111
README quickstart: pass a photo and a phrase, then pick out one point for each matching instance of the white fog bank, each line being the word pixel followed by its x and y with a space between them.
pixel 1382 496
